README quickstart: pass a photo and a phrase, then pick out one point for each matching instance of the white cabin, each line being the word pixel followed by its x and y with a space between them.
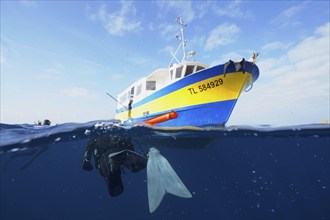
pixel 157 80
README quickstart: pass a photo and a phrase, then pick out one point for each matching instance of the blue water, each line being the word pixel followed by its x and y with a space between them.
pixel 236 172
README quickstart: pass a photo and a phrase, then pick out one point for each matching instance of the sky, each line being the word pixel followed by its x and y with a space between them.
pixel 60 58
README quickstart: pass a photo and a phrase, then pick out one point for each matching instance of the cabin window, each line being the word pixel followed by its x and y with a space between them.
pixel 178 72
pixel 199 68
pixel 189 70
pixel 138 90
pixel 151 85
pixel 171 74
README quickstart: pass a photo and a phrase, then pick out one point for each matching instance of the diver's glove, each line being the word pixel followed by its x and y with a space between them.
pixel 87 165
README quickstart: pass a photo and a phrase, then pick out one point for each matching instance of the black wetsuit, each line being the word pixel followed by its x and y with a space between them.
pixel 110 165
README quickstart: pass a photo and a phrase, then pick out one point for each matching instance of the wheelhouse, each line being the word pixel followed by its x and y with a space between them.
pixel 156 81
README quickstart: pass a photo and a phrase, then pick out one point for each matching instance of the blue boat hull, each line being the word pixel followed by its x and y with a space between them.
pixel 204 98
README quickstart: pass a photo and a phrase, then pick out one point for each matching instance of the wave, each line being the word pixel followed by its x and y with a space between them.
pixel 14 137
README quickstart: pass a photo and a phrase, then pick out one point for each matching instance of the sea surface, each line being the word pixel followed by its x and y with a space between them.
pixel 234 172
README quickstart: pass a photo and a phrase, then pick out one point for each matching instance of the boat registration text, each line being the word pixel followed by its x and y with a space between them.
pixel 205 86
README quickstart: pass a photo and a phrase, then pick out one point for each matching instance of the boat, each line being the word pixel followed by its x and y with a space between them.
pixel 187 93
pixel 39 124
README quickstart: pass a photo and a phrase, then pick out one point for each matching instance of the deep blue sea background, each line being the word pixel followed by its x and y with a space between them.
pixel 236 172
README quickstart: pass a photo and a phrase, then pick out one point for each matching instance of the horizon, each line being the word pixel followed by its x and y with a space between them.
pixel 59 59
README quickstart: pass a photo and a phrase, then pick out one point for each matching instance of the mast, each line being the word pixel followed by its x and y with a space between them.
pixel 183 41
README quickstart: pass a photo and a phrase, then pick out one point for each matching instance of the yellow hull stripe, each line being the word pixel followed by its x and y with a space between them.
pixel 202 92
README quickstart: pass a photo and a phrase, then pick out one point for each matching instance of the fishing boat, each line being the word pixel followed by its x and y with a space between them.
pixel 187 93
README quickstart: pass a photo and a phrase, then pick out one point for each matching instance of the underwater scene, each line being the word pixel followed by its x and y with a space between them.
pixel 234 172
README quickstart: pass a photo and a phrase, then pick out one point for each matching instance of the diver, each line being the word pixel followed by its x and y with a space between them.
pixel 47 122
pixel 112 153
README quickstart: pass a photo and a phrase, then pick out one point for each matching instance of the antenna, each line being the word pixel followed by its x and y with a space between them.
pixel 117 101
pixel 183 42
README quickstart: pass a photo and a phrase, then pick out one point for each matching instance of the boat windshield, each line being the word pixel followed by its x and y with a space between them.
pixel 189 70
pixel 181 71
pixel 178 72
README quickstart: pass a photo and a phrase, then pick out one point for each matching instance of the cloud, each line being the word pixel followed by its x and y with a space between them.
pixel 223 34
pixel 49 74
pixel 287 17
pixel 167 50
pixel 183 8
pixel 232 10
pixel 292 88
pixel 275 66
pixel 117 76
pixel 275 46
pixel 77 92
pixel 169 31
pixel 137 60
pixel 119 22
pixel 197 41
pixel 306 50
pixel 234 56
pixel 292 11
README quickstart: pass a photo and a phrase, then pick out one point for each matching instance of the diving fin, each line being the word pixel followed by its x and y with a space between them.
pixel 162 179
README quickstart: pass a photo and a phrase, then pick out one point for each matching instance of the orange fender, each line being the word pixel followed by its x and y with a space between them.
pixel 162 118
